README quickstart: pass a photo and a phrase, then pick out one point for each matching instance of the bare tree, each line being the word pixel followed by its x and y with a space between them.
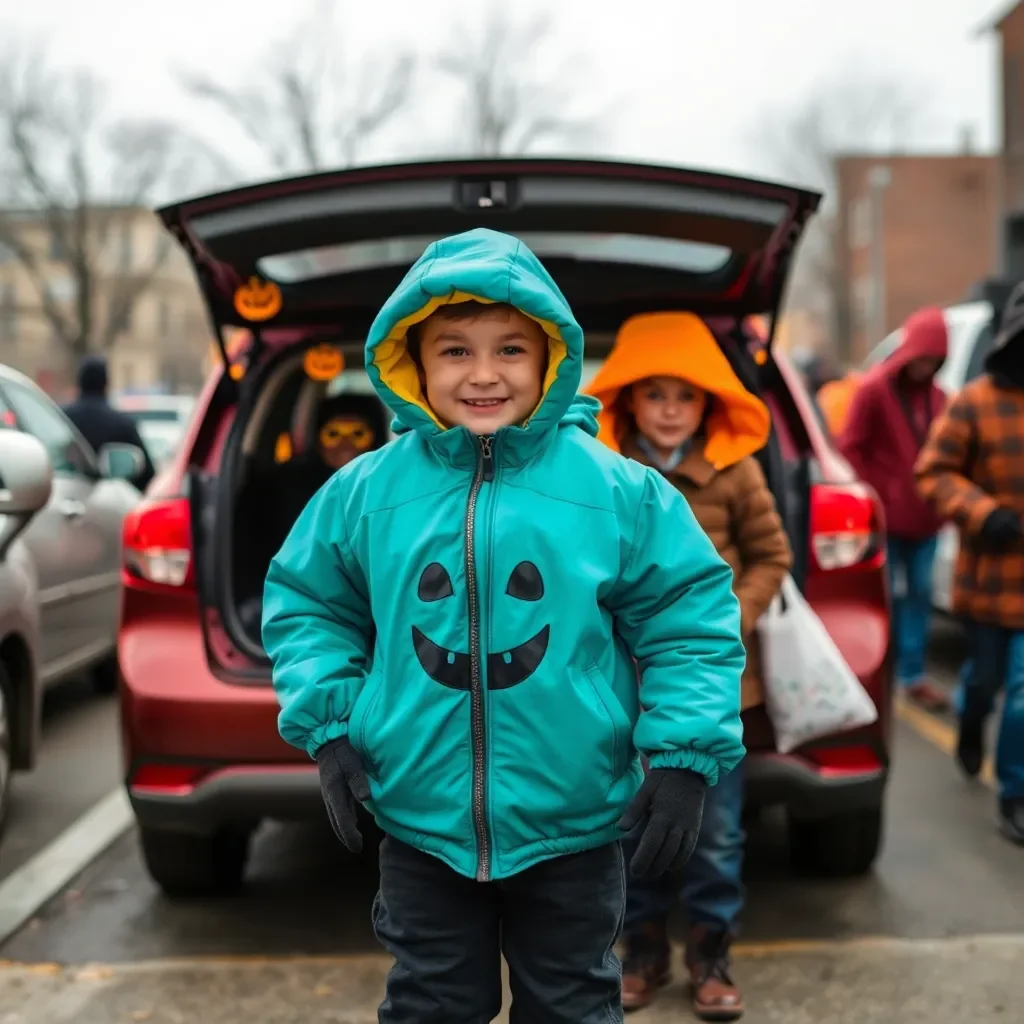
pixel 511 106
pixel 306 105
pixel 71 176
pixel 850 113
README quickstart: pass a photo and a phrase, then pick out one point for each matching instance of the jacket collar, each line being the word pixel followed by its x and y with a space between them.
pixel 694 467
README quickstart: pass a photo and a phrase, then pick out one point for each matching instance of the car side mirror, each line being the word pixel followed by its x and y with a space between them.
pixel 26 480
pixel 26 477
pixel 121 461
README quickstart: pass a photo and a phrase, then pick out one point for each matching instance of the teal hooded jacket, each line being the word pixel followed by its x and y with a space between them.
pixel 501 625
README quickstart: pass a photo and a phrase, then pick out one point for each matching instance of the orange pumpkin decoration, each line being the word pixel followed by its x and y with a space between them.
pixel 323 362
pixel 258 300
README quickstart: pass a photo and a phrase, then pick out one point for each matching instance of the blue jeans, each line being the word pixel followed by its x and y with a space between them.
pixel 997 662
pixel 910 577
pixel 711 888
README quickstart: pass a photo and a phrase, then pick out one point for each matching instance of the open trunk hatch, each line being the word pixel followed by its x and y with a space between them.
pixel 326 250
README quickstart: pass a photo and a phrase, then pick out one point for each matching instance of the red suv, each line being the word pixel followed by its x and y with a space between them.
pixel 307 262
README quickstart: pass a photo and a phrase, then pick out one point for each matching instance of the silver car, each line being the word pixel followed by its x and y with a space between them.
pixel 60 592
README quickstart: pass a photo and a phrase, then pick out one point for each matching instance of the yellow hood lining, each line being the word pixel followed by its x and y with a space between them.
pixel 398 371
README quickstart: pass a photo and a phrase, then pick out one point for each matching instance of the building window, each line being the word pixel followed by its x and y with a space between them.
pixel 62 288
pixel 125 251
pixel 163 319
pixel 8 314
pixel 860 222
pixel 864 303
pixel 1014 101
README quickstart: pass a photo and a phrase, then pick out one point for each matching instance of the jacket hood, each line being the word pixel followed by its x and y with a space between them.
pixel 583 413
pixel 92 375
pixel 681 345
pixel 486 266
pixel 925 335
pixel 1007 355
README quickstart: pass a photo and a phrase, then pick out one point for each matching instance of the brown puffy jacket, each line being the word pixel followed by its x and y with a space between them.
pixel 736 510
pixel 721 480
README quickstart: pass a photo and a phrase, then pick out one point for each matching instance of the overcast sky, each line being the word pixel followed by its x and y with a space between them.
pixel 688 81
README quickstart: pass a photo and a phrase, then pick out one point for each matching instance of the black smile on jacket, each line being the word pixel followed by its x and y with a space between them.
pixel 504 669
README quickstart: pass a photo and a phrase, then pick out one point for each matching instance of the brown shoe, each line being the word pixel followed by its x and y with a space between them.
pixel 645 965
pixel 927 695
pixel 714 993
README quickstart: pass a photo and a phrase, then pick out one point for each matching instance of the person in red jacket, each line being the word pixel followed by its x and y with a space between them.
pixel 885 429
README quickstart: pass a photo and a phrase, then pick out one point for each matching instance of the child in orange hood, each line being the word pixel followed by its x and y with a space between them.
pixel 671 400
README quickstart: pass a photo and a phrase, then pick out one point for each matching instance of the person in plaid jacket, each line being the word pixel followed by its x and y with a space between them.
pixel 971 470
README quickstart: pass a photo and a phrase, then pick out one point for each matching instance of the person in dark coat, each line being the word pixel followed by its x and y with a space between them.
pixel 98 422
pixel 886 426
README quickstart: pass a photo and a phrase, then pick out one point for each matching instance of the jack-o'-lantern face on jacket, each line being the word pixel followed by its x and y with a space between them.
pixel 505 668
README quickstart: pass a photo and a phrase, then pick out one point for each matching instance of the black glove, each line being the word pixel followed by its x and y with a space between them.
pixel 674 800
pixel 342 783
pixel 1003 526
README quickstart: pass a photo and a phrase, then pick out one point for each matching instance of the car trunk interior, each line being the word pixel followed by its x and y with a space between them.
pixel 270 470
pixel 321 253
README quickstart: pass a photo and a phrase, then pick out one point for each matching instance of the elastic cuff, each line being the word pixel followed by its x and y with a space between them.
pixel 982 509
pixel 324 734
pixel 696 760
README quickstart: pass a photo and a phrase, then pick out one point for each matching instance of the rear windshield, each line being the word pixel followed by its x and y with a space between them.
pixel 642 250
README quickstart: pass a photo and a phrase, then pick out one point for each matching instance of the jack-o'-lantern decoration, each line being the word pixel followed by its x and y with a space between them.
pixel 258 300
pixel 323 362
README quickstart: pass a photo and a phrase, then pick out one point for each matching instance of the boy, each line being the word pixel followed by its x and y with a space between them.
pixel 456 625
pixel 971 471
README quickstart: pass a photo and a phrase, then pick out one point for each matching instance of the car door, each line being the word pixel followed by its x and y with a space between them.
pixel 74 541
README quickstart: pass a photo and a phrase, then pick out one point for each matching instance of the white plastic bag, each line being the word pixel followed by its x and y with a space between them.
pixel 810 691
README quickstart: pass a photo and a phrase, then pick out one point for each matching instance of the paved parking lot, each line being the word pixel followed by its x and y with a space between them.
pixel 933 935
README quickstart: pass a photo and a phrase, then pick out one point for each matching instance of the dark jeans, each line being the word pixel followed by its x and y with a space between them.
pixel 556 923
pixel 997 662
pixel 910 572
pixel 710 887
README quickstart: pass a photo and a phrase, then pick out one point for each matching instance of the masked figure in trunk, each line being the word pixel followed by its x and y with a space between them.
pixel 672 402
pixel 972 471
pixel 892 409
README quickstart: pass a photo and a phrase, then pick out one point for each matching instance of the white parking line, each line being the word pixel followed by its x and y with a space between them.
pixel 24 891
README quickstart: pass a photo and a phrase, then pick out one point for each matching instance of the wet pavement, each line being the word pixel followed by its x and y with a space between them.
pixel 79 763
pixel 935 934
pixel 935 982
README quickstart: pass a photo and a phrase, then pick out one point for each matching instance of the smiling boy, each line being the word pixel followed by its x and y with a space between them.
pixel 456 625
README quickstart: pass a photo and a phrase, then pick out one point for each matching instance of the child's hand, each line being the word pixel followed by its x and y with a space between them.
pixel 674 800
pixel 342 783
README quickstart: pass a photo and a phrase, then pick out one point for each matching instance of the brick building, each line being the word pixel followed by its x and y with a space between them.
pixel 916 230
pixel 1010 29
pixel 912 231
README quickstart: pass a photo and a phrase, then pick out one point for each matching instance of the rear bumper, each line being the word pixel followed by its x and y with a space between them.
pixel 233 794
pixel 810 792
pixel 288 793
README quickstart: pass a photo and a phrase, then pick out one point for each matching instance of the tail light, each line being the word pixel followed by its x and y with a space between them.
pixel 167 779
pixel 835 761
pixel 157 544
pixel 846 527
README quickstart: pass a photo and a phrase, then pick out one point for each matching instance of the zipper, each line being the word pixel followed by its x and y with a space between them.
pixel 484 471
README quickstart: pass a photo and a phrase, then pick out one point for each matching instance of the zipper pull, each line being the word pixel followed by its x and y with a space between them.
pixel 487 457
